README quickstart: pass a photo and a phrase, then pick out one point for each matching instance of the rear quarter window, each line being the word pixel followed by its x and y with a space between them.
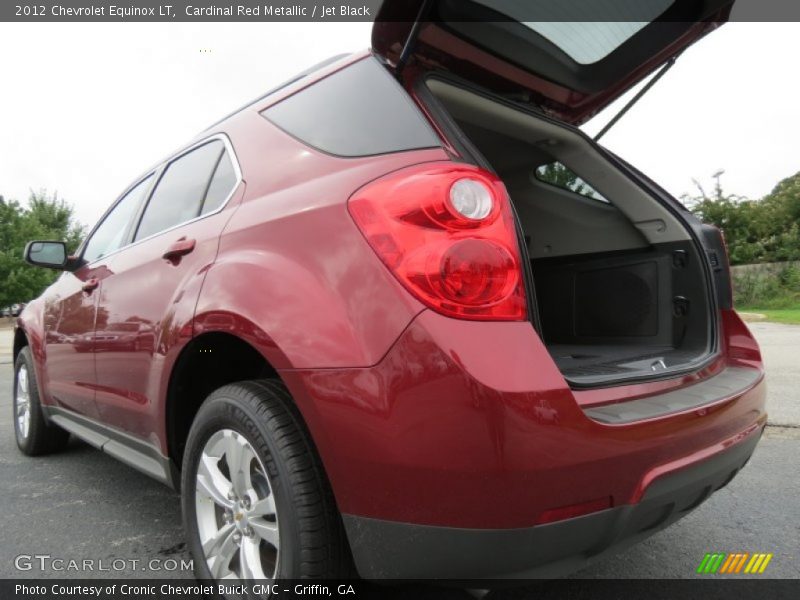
pixel 358 111
pixel 560 175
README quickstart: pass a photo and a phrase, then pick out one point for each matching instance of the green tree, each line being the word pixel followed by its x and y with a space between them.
pixel 556 173
pixel 561 175
pixel 780 220
pixel 764 230
pixel 46 217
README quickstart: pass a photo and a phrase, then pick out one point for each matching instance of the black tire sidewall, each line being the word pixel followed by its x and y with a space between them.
pixel 224 409
pixel 37 421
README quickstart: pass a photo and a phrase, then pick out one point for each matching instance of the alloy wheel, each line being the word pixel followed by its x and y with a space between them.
pixel 22 402
pixel 235 508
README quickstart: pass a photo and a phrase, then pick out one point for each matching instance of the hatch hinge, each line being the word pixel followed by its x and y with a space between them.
pixel 667 66
pixel 411 40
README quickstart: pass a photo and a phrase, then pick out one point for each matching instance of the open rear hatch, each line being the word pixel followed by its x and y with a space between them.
pixel 569 58
pixel 624 282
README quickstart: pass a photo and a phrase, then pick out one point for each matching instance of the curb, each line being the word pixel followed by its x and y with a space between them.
pixel 748 316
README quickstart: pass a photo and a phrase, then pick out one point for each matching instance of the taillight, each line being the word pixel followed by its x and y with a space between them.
pixel 716 246
pixel 447 233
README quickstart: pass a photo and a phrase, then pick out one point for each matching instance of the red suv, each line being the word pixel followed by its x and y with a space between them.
pixel 401 315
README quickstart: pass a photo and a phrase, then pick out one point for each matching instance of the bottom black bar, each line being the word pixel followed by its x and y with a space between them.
pixel 708 588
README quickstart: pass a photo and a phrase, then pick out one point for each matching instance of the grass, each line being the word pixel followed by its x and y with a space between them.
pixel 778 315
pixel 772 292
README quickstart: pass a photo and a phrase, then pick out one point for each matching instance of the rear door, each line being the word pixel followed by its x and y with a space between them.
pixel 570 58
pixel 149 294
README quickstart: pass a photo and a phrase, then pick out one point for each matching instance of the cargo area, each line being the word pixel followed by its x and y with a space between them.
pixel 619 287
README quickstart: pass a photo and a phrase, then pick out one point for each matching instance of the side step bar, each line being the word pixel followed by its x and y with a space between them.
pixel 134 452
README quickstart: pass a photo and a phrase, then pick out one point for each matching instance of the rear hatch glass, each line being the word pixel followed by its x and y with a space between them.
pixel 571 58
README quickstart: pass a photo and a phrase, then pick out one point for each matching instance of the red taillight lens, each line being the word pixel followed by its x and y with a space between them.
pixel 723 266
pixel 447 233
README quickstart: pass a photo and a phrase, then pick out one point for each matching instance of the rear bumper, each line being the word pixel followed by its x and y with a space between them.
pixel 392 550
pixel 466 437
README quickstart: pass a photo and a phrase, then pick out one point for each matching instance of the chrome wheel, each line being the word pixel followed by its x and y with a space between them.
pixel 22 402
pixel 235 509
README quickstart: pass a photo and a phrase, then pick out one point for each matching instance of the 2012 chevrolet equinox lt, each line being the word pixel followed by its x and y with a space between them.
pixel 400 315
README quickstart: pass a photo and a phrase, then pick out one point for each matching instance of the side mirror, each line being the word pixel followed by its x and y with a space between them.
pixel 52 255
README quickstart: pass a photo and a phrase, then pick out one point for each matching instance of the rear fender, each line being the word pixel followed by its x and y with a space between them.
pixel 331 308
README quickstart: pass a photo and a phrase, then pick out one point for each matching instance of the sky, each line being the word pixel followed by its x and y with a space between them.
pixel 85 108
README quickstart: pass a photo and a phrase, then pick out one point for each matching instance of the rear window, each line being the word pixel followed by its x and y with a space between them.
pixel 358 111
pixel 588 32
pixel 586 43
pixel 180 193
pixel 222 184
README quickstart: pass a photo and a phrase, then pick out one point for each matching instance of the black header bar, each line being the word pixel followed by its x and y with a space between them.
pixel 315 11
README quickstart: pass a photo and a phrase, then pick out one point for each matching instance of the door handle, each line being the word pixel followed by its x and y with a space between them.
pixel 90 285
pixel 179 248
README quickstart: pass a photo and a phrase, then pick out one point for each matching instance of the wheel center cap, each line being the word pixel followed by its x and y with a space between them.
pixel 239 517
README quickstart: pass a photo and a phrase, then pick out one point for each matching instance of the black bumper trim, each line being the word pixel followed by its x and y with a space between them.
pixel 395 550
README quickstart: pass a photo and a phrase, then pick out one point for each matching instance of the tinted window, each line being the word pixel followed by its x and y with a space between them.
pixel 180 191
pixel 222 185
pixel 358 111
pixel 110 234
pixel 287 83
pixel 562 176
pixel 589 39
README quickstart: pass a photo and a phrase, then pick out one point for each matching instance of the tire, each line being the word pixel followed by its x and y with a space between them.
pixel 35 436
pixel 278 513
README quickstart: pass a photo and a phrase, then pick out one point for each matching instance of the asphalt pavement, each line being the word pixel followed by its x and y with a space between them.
pixel 82 504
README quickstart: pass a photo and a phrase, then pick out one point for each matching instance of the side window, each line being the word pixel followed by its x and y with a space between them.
pixel 110 234
pixel 358 111
pixel 180 192
pixel 560 175
pixel 222 184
